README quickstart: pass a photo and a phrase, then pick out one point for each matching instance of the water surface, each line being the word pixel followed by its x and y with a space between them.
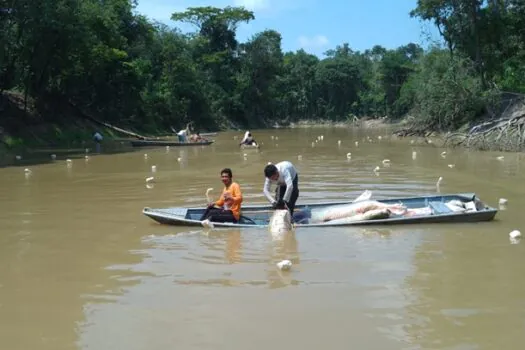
pixel 82 268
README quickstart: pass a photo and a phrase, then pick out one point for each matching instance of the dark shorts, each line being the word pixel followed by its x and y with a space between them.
pixel 281 190
pixel 218 215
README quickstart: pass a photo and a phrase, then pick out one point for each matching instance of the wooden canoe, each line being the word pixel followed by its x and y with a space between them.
pixel 259 215
pixel 158 143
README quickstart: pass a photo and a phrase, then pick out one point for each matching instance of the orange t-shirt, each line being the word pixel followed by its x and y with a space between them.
pixel 234 203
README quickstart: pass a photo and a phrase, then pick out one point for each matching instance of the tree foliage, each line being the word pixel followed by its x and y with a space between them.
pixel 116 64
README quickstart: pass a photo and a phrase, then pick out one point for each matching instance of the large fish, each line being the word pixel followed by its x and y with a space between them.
pixel 337 212
pixel 280 223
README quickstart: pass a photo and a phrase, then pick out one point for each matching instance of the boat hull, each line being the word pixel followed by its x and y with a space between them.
pixel 159 143
pixel 259 215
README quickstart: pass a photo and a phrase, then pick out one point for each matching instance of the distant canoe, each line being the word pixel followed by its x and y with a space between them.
pixel 157 143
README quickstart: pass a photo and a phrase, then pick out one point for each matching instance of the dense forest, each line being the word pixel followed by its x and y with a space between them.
pixel 108 61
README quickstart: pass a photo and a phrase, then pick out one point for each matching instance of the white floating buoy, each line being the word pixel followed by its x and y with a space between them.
pixel 145 156
pixel 299 157
pixel 86 158
pixel 69 161
pixel 348 155
pixel 414 155
pixel 412 142
pixel 18 157
pixel 357 143
pixel 208 198
pixel 150 179
pixel 515 234
pixel 276 138
pixel 386 161
pixel 272 137
pixel 376 169
pixel 313 144
pixel 284 265
pixel 500 158
pixel 179 159
pixel 269 163
pixel 53 156
pixel 153 168
pixel 379 138
pixel 339 142
pixel 167 148
pixel 451 166
pixel 438 183
pixel 27 171
pixel 443 154
pixel 503 201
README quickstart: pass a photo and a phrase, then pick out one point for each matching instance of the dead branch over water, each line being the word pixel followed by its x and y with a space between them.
pixel 506 133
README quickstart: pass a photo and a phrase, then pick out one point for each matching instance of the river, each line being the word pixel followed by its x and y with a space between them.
pixel 82 268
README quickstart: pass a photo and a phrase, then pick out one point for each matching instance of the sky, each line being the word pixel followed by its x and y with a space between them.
pixel 316 25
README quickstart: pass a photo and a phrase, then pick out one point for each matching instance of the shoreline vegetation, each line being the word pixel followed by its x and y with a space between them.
pixel 70 68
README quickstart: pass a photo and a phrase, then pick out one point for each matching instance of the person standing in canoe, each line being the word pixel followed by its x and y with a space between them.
pixel 248 140
pixel 228 207
pixel 285 176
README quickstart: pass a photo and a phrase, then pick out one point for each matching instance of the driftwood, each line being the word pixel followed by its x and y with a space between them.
pixel 504 133
pixel 107 125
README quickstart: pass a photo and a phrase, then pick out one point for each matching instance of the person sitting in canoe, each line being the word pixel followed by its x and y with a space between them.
pixel 286 178
pixel 228 207
pixel 248 140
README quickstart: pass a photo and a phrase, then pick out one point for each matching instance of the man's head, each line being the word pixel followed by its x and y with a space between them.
pixel 226 176
pixel 271 172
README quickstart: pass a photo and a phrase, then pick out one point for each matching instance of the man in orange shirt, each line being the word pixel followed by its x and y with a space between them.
pixel 229 204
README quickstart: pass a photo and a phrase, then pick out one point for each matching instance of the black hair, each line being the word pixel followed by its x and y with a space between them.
pixel 227 171
pixel 270 170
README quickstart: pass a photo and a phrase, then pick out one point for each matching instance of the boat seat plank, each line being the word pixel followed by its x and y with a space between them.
pixel 439 207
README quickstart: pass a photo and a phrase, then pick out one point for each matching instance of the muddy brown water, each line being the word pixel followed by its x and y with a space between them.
pixel 82 268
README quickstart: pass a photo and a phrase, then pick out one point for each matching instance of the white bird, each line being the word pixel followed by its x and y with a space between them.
pixel 376 169
pixel 153 168
pixel 53 156
pixel 515 234
pixel 348 155
pixel 150 179
pixel 386 161
pixel 500 158
pixel 451 166
pixel 443 154
pixel 18 157
pixel 284 265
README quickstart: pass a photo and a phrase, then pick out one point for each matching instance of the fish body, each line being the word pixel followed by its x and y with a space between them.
pixel 280 222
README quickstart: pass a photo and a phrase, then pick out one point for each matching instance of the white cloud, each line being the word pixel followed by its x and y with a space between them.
pixel 253 5
pixel 315 42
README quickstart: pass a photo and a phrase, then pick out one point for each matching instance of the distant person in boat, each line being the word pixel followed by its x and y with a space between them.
pixel 248 140
pixel 285 176
pixel 97 137
pixel 197 138
pixel 183 134
pixel 228 207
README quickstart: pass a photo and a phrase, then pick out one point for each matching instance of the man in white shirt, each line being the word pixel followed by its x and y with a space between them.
pixel 285 176
pixel 248 140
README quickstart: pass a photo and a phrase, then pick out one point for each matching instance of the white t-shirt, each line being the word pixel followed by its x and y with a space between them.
pixel 287 173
